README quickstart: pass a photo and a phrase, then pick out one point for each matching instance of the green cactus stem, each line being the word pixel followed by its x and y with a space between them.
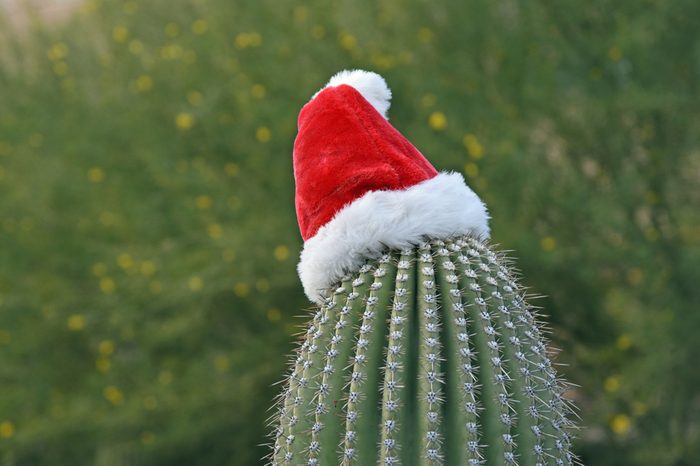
pixel 425 356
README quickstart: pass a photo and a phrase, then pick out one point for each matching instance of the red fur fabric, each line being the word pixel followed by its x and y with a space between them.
pixel 345 149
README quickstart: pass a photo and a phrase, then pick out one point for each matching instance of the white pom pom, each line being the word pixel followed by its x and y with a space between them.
pixel 369 84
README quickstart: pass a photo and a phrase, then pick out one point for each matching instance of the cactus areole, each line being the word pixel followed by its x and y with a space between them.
pixel 423 350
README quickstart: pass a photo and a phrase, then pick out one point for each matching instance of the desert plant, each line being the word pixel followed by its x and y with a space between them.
pixel 427 355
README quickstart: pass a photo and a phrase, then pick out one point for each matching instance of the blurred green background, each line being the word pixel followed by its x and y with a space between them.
pixel 148 241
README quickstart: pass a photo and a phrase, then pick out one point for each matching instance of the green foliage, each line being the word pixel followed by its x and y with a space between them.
pixel 148 241
pixel 459 375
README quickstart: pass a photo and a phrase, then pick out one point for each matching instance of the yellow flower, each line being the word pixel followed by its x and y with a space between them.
pixel 383 61
pixel 113 395
pixel 281 252
pixel 125 261
pixel 103 364
pixel 428 100
pixel 548 243
pixel 7 429
pixel 263 134
pixel 96 174
pixel 318 32
pixel 196 283
pixel 651 198
pixel 612 384
pixel 639 408
pixel 437 121
pixel 136 47
pixel 58 411
pixel 172 29
pixel 148 268
pixel 241 289
pixel 651 234
pixel 108 218
pixel 5 337
pixel 231 169
pixel 474 147
pixel 130 8
pixel 57 52
pixel 36 140
pixel 203 202
pixel 150 402
pixel 195 98
pixel 623 342
pixel 405 57
pixel 144 83
pixel 171 52
pixel 248 39
pixel 60 68
pixel 615 54
pixel 107 285
pixel 347 41
pixel 258 91
pixel 425 35
pixel 215 231
pixel 222 363
pixel 200 26
pixel 620 424
pixel 225 119
pixel 99 269
pixel 120 34
pixel 76 322
pixel 300 14
pixel 165 377
pixel 147 438
pixel 273 314
pixel 471 169
pixel 635 276
pixel 106 347
pixel 184 120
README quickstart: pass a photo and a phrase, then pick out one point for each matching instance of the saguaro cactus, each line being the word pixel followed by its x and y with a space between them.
pixel 427 355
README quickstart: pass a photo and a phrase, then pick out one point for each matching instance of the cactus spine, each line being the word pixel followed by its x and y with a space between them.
pixel 425 356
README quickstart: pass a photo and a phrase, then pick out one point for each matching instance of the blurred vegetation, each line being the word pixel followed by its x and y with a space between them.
pixel 148 294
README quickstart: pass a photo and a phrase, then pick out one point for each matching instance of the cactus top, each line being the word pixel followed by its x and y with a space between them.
pixel 362 187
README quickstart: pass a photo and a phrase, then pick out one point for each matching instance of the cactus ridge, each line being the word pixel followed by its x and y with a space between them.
pixel 425 356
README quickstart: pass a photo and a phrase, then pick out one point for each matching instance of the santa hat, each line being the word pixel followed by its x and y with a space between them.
pixel 361 187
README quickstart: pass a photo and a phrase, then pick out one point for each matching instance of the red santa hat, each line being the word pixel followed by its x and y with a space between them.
pixel 361 187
